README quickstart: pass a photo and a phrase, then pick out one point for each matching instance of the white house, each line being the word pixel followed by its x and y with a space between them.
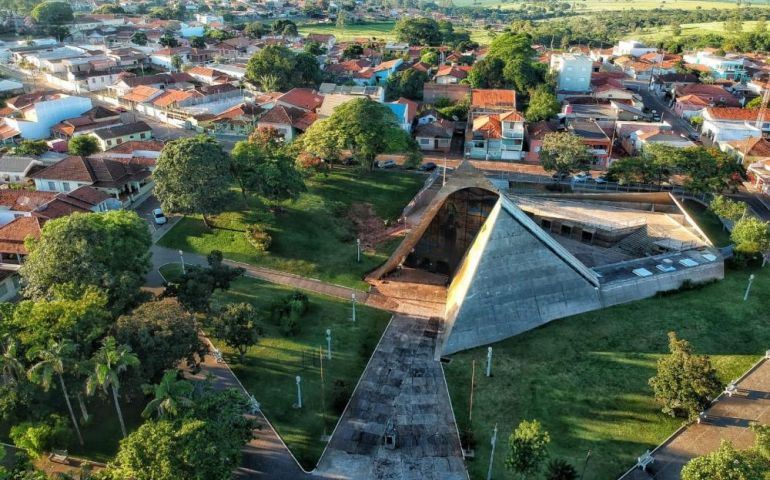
pixel 37 120
pixel 723 124
pixel 634 48
pixel 573 70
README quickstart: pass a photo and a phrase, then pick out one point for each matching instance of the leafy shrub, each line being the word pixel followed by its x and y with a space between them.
pixel 38 437
pixel 259 238
pixel 288 312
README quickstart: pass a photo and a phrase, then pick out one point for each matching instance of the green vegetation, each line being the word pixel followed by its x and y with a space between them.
pixel 586 377
pixel 709 223
pixel 378 30
pixel 270 367
pixel 310 236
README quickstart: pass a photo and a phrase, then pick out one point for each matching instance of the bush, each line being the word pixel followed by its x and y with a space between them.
pixel 259 238
pixel 39 437
pixel 290 325
pixel 559 469
pixel 288 312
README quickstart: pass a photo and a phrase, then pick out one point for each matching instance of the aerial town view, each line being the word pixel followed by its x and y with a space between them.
pixel 385 239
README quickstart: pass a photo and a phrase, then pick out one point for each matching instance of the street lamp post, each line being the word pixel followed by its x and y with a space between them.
pixel 298 379
pixel 489 361
pixel 358 250
pixel 328 344
pixel 492 454
pixel 181 258
pixel 748 288
pixel 353 298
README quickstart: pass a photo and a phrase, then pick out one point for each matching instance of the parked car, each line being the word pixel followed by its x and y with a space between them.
pixel 159 216
pixel 387 164
pixel 428 167
pixel 559 177
pixel 581 177
pixel 601 179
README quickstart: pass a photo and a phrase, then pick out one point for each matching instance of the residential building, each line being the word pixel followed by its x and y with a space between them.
pixel 16 170
pixel 127 181
pixel 633 48
pixel 451 74
pixel 759 176
pixel 573 72
pixel 536 132
pixel 288 121
pixel 724 124
pixel 237 121
pixel 595 139
pixel 495 136
pixel 34 114
pixel 433 92
pixel 97 117
pixel 748 151
pixel 305 99
pixel 720 67
pixel 384 70
pixel 435 136
pixel 659 136
pixel 111 136
pixel 401 113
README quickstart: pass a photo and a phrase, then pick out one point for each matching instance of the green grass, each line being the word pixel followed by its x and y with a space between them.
pixel 379 30
pixel 688 29
pixel 608 5
pixel 270 367
pixel 709 223
pixel 311 236
pixel 172 272
pixel 585 377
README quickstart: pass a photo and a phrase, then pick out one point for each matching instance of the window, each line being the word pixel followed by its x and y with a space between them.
pixel 51 186
pixel 109 143
pixel 66 186
pixel 142 135
pixel 425 141
pixel 119 141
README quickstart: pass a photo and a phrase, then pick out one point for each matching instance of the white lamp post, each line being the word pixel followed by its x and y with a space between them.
pixel 298 379
pixel 181 257
pixel 353 298
pixel 492 454
pixel 748 288
pixel 328 344
pixel 358 250
pixel 489 361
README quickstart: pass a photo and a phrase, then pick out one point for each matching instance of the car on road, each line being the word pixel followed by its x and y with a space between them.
pixel 387 164
pixel 582 177
pixel 428 167
pixel 159 217
pixel 559 176
pixel 694 136
pixel 601 179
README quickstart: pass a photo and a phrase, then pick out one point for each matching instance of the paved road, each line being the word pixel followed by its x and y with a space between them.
pixel 654 102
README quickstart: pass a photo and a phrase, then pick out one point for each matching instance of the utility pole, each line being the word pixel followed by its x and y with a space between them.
pixel 492 454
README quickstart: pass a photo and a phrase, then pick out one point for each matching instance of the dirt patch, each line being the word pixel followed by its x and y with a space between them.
pixel 371 229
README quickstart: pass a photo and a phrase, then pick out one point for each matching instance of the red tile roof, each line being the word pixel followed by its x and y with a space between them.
pixel 304 98
pixel 295 117
pixel 493 98
pixel 13 234
pixel 732 113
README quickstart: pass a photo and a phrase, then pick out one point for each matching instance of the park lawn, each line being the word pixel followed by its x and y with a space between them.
pixel 688 30
pixel 271 366
pixel 585 377
pixel 311 236
pixel 101 436
pixel 172 272
pixel 709 223
pixel 379 30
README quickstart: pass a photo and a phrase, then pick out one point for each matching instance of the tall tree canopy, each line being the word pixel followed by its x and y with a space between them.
pixel 542 105
pixel 83 145
pixel 267 170
pixel 193 177
pixel 364 126
pixel 418 31
pixel 276 67
pixel 564 153
pixel 509 63
pixel 408 83
pixel 108 250
pixel 52 13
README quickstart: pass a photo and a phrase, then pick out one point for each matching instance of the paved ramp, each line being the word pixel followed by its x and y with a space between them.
pixel 403 387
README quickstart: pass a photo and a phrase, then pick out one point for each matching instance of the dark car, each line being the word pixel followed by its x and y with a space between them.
pixel 428 167
pixel 559 176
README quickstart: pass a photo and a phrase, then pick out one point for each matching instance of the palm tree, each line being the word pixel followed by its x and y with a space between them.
pixel 52 361
pixel 170 394
pixel 11 368
pixel 109 362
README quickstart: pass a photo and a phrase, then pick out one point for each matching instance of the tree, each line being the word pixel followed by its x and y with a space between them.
pixel 31 147
pixel 196 42
pixel 755 102
pixel 408 83
pixel 139 38
pixel 52 13
pixel 751 236
pixel 430 57
pixel 285 27
pixel 168 40
pixel 728 209
pixel 176 62
pixel 193 177
pixel 685 383
pixel 314 48
pixel 564 153
pixel 51 361
pixel 59 32
pixel 284 68
pixel 418 31
pixel 528 449
pixel 11 368
pixel 196 286
pixel 168 395
pixel 80 249
pixel 761 25
pixel 341 17
pixel 727 463
pixel 238 326
pixel 109 8
pixel 676 29
pixel 365 127
pixel 266 171
pixel 255 30
pixel 542 105
pixel 37 437
pixel 487 73
pixel 559 469
pixel 353 50
pixel 109 362
pixel 83 145
pixel 214 423
pixel 161 333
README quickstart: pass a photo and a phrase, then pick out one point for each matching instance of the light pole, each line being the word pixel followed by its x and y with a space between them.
pixel 181 258
pixel 358 250
pixel 489 361
pixel 748 288
pixel 298 379
pixel 492 454
pixel 328 344
pixel 353 298
pixel 585 465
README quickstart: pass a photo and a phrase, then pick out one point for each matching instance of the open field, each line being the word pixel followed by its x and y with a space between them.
pixel 270 367
pixel 585 377
pixel 688 29
pixel 311 236
pixel 380 30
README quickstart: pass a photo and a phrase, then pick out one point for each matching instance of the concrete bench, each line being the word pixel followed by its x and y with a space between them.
pixel 731 389
pixel 645 461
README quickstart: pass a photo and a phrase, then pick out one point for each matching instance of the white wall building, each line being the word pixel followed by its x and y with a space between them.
pixel 634 48
pixel 37 122
pixel 574 72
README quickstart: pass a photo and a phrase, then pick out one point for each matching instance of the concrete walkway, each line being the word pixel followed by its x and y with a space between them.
pixel 402 391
